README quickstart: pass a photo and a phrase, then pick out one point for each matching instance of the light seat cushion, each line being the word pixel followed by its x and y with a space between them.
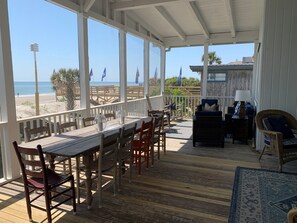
pixel 210 108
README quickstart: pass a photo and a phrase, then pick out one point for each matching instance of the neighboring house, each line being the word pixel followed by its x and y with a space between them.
pixel 225 79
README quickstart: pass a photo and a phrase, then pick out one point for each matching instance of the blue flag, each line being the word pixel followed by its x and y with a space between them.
pixel 90 74
pixel 179 79
pixel 137 76
pixel 104 74
pixel 156 74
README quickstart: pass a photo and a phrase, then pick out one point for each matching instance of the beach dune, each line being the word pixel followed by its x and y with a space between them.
pixel 25 105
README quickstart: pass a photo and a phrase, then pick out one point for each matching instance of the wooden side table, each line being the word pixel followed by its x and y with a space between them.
pixel 240 128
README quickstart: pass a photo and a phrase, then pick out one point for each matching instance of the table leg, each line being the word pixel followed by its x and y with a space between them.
pixel 87 162
pixel 51 160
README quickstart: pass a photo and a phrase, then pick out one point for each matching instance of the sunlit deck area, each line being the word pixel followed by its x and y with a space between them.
pixel 188 184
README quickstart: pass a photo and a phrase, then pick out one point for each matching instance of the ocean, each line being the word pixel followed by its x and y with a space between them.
pixel 28 87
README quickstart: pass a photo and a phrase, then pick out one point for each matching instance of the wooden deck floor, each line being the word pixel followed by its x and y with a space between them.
pixel 186 185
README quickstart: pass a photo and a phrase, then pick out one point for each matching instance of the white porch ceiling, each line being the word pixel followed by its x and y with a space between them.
pixel 174 23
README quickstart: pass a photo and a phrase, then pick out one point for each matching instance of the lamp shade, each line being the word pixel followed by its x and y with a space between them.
pixel 242 95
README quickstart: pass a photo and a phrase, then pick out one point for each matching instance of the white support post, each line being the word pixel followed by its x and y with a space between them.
pixel 205 71
pixel 123 68
pixel 83 45
pixel 11 168
pixel 146 69
pixel 253 90
pixel 163 65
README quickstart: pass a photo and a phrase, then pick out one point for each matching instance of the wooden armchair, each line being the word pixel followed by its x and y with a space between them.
pixel 278 127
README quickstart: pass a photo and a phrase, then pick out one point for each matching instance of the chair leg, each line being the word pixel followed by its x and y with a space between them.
pixel 70 165
pixel 164 143
pixel 115 178
pixel 130 167
pixel 29 209
pixel 121 168
pixel 100 189
pixel 262 152
pixel 78 180
pixel 139 162
pixel 73 196
pixel 64 167
pixel 147 157
pixel 47 205
pixel 159 149
pixel 152 153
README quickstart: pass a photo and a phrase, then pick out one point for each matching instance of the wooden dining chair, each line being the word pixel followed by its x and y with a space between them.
pixel 141 146
pixel 110 116
pixel 37 177
pixel 41 132
pixel 62 128
pixel 156 137
pixel 66 126
pixel 105 162
pixel 163 131
pixel 125 153
pixel 37 133
pixel 166 112
pixel 88 121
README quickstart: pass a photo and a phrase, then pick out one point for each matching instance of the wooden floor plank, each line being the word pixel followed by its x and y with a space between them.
pixel 188 184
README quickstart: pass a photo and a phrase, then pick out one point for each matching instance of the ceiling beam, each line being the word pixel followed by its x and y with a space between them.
pixel 230 17
pixel 215 39
pixel 137 4
pixel 197 15
pixel 171 22
pixel 66 4
pixel 88 4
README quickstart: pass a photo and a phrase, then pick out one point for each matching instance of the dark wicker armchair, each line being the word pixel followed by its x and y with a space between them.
pixel 208 129
pixel 279 137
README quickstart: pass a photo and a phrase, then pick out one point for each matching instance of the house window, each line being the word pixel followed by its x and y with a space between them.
pixel 216 77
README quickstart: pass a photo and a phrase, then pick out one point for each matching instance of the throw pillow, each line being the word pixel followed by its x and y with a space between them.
pixel 211 108
pixel 280 124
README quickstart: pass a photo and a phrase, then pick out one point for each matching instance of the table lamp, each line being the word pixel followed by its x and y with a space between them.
pixel 242 96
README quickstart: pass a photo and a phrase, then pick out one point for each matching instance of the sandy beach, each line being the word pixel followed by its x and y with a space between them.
pixel 25 105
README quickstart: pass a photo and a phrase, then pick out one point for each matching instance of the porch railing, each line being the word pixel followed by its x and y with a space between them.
pixel 185 108
pixel 2 151
pixel 186 105
pixel 134 107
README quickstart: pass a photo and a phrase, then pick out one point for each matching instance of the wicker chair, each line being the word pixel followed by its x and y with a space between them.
pixel 292 215
pixel 286 149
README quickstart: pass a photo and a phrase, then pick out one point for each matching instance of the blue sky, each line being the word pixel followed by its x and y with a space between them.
pixel 55 30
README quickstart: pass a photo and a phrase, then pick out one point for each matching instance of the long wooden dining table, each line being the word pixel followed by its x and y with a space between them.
pixel 82 142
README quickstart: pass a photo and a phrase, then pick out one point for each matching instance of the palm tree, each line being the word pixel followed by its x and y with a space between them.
pixel 212 58
pixel 68 79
